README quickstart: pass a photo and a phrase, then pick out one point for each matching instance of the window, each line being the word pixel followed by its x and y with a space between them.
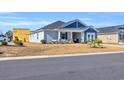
pixel 64 35
pixel 37 36
pixel 121 36
pixel 89 36
pixel 92 37
pixel 24 40
pixel 16 38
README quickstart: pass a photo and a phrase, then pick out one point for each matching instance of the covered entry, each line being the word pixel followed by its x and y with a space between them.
pixel 90 36
pixel 76 37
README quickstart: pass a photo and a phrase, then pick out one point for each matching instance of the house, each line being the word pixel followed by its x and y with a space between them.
pixel 4 38
pixel 21 34
pixel 75 31
pixel 112 34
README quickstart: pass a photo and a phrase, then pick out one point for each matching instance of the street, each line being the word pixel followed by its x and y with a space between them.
pixel 91 67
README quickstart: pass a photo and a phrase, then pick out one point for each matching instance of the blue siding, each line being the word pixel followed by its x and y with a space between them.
pixel 75 25
pixel 80 25
pixel 90 30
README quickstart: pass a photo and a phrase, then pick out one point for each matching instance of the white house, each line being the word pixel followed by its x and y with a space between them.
pixel 74 30
pixel 4 38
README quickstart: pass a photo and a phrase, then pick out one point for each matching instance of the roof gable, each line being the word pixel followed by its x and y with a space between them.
pixel 2 36
pixel 92 29
pixel 74 24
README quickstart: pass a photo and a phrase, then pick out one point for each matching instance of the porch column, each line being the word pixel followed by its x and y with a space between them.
pixel 71 36
pixel 59 36
pixel 82 37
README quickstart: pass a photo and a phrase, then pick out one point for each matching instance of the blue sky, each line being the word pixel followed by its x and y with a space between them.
pixel 35 20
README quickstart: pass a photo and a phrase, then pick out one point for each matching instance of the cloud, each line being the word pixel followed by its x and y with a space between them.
pixel 11 17
pixel 6 13
pixel 85 19
pixel 103 24
pixel 24 23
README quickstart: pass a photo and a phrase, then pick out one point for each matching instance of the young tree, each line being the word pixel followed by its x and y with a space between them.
pixel 95 43
pixel 9 34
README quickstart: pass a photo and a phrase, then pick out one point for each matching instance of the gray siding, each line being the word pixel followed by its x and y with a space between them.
pixel 51 35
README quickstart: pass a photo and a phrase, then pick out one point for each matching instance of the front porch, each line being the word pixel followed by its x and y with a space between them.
pixel 76 37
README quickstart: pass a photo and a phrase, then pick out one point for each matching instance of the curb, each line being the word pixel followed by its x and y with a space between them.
pixel 55 56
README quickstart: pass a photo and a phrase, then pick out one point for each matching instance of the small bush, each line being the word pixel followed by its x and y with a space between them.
pixel 50 43
pixel 43 41
pixel 95 43
pixel 18 42
pixel 70 42
pixel 65 42
pixel 3 42
pixel 99 42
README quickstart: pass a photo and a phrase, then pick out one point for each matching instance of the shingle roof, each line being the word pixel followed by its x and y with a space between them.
pixel 59 25
pixel 54 25
pixel 110 29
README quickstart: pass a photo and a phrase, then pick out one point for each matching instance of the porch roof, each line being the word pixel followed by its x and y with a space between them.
pixel 68 30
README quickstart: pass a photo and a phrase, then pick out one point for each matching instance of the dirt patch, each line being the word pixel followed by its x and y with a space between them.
pixel 51 49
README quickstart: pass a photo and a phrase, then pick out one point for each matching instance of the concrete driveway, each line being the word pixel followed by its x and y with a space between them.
pixel 90 67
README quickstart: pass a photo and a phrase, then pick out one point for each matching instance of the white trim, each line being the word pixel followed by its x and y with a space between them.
pixel 59 35
pixel 71 36
pixel 94 28
pixel 72 30
pixel 82 36
pixel 70 22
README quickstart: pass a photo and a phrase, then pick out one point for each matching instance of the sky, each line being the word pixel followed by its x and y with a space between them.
pixel 36 20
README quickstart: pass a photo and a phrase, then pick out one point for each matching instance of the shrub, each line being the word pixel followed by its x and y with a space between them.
pixel 16 39
pixel 18 42
pixel 43 41
pixel 64 42
pixel 99 42
pixel 95 43
pixel 3 42
pixel 50 43
pixel 70 42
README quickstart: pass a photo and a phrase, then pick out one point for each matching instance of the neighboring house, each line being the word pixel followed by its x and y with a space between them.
pixel 21 34
pixel 74 31
pixel 4 38
pixel 112 34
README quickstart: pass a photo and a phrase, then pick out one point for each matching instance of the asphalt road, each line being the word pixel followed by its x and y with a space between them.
pixel 93 67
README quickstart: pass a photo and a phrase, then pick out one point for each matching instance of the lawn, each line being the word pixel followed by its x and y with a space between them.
pixel 51 49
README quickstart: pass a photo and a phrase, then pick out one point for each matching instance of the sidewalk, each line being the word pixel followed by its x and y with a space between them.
pixel 54 56
pixel 114 45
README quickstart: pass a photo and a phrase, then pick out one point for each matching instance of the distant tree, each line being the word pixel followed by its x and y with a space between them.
pixel 9 35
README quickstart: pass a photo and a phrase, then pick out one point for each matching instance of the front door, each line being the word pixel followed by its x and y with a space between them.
pixel 77 37
pixel 90 36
